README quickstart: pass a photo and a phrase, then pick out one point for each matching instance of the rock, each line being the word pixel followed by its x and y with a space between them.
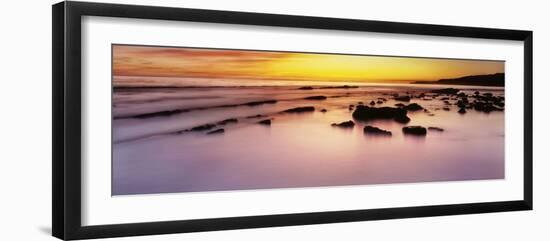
pixel 317 97
pixel 448 91
pixel 382 99
pixel 324 110
pixel 227 121
pixel 402 119
pixel 476 93
pixel 255 103
pixel 404 98
pixel 300 109
pixel 446 108
pixel 360 102
pixel 400 105
pixel 432 128
pixel 255 116
pixel 204 127
pixel 306 88
pixel 462 95
pixel 462 111
pixel 460 104
pixel 371 130
pixel 485 107
pixel 488 94
pixel 365 113
pixel 413 107
pixel 379 102
pixel 265 122
pixel 415 130
pixel 345 124
pixel 218 131
pixel 372 103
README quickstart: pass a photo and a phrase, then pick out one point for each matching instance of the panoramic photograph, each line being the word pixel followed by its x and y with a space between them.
pixel 188 119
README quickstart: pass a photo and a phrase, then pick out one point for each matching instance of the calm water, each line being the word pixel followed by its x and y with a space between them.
pixel 297 150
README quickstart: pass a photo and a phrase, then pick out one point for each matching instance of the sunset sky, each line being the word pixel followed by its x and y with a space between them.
pixel 238 64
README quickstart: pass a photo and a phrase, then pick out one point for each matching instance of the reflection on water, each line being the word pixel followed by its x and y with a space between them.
pixel 153 155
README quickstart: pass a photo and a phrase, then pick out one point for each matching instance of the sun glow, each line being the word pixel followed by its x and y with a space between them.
pixel 231 64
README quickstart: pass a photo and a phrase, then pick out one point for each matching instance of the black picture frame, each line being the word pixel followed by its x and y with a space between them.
pixel 66 158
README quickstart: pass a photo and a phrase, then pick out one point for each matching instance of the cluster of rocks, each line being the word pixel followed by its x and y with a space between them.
pixel 368 130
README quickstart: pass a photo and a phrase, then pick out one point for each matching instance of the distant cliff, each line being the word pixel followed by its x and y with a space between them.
pixel 485 80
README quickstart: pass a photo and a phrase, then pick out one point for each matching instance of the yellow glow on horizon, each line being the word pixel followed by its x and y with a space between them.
pixel 237 64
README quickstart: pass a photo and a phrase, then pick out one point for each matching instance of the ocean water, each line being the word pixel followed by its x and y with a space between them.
pixel 154 154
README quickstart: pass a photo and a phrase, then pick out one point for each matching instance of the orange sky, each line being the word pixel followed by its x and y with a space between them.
pixel 237 64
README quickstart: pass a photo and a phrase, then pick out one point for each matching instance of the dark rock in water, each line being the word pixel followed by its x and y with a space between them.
pixel 324 110
pixel 462 95
pixel 379 102
pixel 204 127
pixel 460 104
pixel 351 105
pixel 402 119
pixel 317 97
pixel 227 121
pixel 300 109
pixel 415 130
pixel 446 102
pixel 265 122
pixel 446 108
pixel 306 88
pixel 431 114
pixel 372 103
pixel 432 128
pixel 218 131
pixel 382 99
pixel 413 107
pixel 400 105
pixel 360 102
pixel 488 94
pixel 255 116
pixel 371 130
pixel 448 91
pixel 476 93
pixel 345 124
pixel 160 113
pixel 365 113
pixel 405 98
pixel 262 102
pixel 485 107
pixel 462 111
pixel 444 98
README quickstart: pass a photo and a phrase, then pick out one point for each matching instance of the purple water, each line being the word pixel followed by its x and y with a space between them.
pixel 297 150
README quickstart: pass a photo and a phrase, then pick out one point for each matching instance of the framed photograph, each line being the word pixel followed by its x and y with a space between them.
pixel 172 120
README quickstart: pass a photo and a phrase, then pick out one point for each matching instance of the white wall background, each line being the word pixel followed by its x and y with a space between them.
pixel 25 122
